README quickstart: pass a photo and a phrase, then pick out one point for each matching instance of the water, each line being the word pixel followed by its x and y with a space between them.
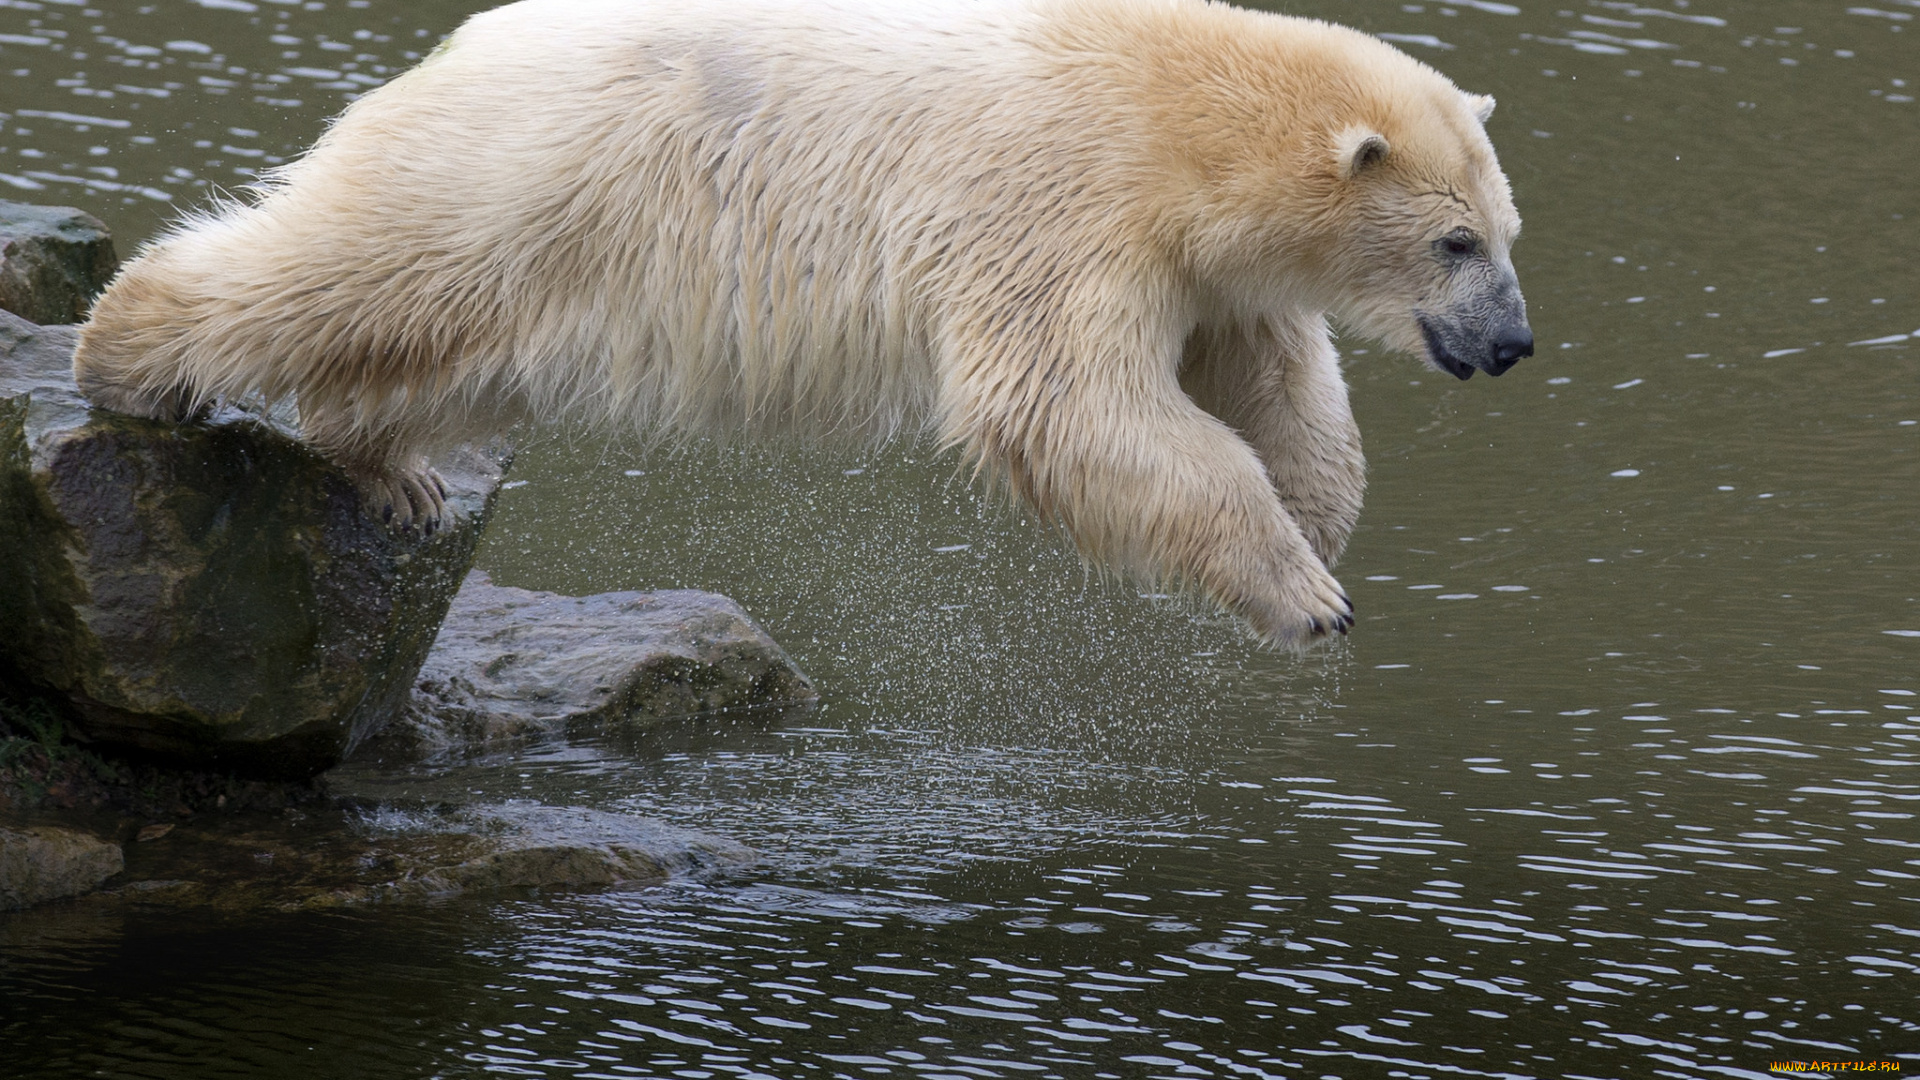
pixel 1615 777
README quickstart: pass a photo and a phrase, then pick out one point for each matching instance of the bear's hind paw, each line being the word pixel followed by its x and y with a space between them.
pixel 171 406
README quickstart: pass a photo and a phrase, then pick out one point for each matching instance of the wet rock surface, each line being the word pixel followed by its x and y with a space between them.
pixel 512 665
pixel 53 261
pixel 39 863
pixel 209 594
pixel 358 836
pixel 527 845
pixel 344 853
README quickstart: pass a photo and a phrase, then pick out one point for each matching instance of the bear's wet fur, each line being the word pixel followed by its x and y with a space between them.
pixel 1095 243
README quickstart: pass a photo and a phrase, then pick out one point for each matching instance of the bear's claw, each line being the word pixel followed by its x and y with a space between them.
pixel 1304 611
pixel 407 498
pixel 1339 624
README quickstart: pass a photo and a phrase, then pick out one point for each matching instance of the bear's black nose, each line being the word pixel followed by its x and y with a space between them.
pixel 1509 346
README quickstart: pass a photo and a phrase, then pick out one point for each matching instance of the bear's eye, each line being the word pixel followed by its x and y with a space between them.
pixel 1459 244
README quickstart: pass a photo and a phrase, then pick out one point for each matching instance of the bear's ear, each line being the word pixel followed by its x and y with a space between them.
pixel 1482 106
pixel 1361 149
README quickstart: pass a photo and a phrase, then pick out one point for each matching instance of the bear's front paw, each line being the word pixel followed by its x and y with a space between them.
pixel 1308 607
pixel 405 499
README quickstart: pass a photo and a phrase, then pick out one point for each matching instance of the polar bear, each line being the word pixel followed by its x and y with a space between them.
pixel 1094 243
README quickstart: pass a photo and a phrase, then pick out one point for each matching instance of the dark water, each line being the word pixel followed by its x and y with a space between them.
pixel 1617 776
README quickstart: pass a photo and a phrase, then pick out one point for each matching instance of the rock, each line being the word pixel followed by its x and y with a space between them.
pixel 209 594
pixel 349 854
pixel 527 846
pixel 53 261
pixel 42 863
pixel 511 664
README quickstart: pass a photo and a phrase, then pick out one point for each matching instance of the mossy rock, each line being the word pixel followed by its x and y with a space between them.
pixel 39 863
pixel 210 594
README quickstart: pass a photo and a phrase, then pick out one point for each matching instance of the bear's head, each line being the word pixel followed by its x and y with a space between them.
pixel 1429 224
pixel 1330 171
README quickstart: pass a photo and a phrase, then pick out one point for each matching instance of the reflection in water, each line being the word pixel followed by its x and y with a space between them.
pixel 1617 775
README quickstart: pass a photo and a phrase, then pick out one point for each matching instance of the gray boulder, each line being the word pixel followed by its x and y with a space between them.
pixel 43 862
pixel 211 594
pixel 53 261
pixel 511 665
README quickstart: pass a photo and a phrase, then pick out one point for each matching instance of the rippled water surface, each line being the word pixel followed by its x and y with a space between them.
pixel 1616 777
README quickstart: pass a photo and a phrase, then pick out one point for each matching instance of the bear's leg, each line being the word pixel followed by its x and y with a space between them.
pixel 1278 382
pixel 1145 481
pixel 134 352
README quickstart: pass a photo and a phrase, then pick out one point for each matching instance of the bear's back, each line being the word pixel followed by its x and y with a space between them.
pixel 757 214
pixel 702 209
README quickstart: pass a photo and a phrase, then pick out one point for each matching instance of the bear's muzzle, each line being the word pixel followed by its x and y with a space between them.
pixel 1461 347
